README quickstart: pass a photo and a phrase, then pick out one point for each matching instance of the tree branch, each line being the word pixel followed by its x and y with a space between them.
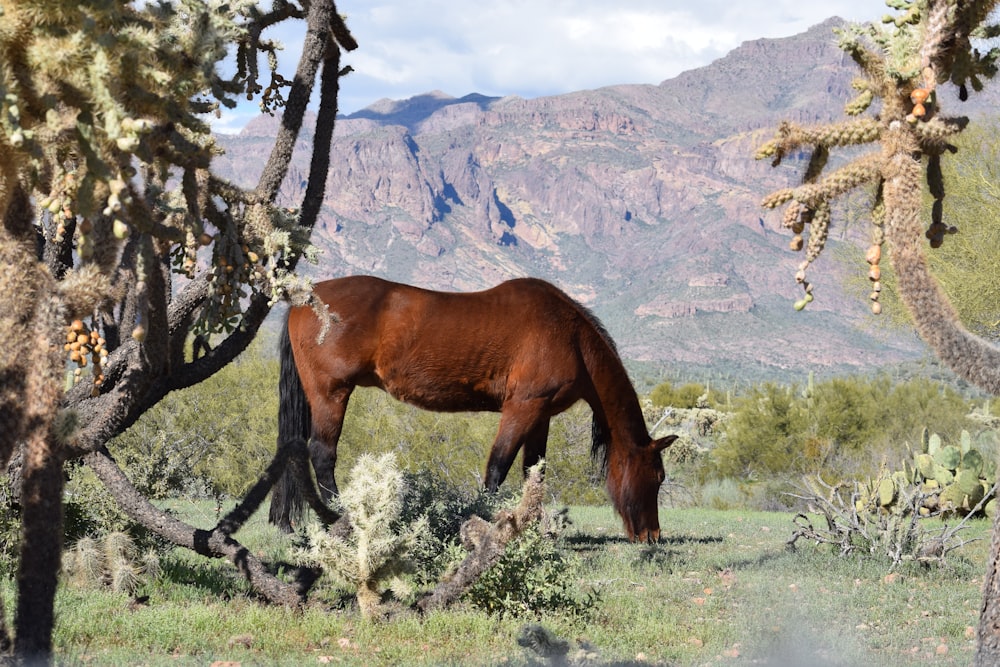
pixel 318 32
pixel 215 543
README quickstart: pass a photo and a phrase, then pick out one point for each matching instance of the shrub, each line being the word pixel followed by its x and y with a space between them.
pixel 535 576
pixel 213 438
pixel 444 507
pixel 690 395
pixel 763 435
pixel 843 427
pixel 857 521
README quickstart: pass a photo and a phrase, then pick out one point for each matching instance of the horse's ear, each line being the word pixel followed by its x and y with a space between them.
pixel 660 444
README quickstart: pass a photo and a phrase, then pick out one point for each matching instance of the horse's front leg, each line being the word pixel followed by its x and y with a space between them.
pixel 534 446
pixel 517 425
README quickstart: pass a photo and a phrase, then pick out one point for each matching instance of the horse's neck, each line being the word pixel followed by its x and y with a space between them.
pixel 619 403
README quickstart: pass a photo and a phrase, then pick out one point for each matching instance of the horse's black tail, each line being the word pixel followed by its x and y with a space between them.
pixel 294 427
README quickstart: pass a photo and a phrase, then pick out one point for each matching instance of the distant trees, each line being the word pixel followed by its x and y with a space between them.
pixel 842 428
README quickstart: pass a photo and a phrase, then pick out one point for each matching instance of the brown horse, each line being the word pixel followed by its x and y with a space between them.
pixel 523 349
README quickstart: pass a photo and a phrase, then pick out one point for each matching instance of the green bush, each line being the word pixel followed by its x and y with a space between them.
pixel 763 436
pixel 841 428
pixel 535 576
pixel 445 507
pixel 684 396
pixel 214 438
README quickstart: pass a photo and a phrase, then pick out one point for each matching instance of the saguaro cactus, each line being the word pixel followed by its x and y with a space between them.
pixel 925 45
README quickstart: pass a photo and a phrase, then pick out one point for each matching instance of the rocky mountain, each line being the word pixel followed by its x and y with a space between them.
pixel 642 201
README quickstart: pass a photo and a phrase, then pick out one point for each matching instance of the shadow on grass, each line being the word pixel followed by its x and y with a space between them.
pixel 586 542
pixel 204 576
pixel 217 578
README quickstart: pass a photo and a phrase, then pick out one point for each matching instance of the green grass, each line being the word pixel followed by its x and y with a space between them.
pixel 721 588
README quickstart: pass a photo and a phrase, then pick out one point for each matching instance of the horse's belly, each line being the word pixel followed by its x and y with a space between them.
pixel 448 401
pixel 443 394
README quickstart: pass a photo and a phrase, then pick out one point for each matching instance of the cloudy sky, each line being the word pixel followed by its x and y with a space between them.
pixel 534 48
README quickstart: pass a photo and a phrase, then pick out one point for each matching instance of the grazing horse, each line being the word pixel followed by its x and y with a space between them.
pixel 524 349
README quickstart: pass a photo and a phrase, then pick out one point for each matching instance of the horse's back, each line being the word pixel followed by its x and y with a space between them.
pixel 446 350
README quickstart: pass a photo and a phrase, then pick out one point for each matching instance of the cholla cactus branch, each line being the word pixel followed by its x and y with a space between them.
pixel 928 43
pixel 377 549
pixel 791 137
pixel 106 159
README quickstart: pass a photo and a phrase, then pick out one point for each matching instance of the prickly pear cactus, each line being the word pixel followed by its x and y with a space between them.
pixel 951 480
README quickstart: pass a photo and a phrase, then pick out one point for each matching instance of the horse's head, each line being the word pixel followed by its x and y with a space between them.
pixel 634 484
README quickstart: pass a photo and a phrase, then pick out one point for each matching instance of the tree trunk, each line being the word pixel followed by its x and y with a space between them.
pixel 988 651
pixel 41 549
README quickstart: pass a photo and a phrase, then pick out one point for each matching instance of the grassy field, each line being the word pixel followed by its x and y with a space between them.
pixel 720 589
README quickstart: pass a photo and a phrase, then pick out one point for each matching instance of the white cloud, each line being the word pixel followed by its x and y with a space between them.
pixel 532 47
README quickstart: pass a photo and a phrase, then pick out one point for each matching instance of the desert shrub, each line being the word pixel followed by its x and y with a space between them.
pixel 453 446
pixel 840 426
pixel 842 429
pixel 91 512
pixel 444 507
pixel 723 494
pixel 536 576
pixel 213 438
pixel 763 435
pixel 571 475
pixel 687 395
pixel 922 403
pixel 884 519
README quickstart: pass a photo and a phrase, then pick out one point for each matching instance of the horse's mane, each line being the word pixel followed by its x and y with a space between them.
pixel 600 438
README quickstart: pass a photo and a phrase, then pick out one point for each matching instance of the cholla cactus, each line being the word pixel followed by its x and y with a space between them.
pixel 112 561
pixel 926 44
pixel 376 551
pixel 106 183
pixel 902 65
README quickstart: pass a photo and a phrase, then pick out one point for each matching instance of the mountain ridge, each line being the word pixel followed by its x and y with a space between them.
pixel 640 200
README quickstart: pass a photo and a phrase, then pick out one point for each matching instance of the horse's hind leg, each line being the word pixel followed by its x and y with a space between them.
pixel 324 460
pixel 517 426
pixel 328 424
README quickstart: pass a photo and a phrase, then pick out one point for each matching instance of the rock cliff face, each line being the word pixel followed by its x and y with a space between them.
pixel 642 201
